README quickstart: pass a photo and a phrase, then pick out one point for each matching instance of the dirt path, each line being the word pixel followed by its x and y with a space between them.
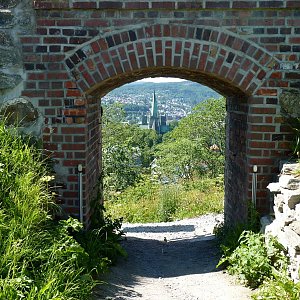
pixel 181 267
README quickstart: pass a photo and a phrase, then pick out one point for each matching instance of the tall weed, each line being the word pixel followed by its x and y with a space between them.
pixel 39 258
pixel 229 234
pixel 249 254
pixel 169 199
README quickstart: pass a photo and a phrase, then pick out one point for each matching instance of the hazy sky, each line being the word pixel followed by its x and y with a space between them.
pixel 161 79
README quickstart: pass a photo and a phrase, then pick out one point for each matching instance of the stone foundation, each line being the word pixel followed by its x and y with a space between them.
pixel 285 225
pixel 16 19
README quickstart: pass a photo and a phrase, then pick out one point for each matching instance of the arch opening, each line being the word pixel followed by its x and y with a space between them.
pixel 236 175
pixel 163 190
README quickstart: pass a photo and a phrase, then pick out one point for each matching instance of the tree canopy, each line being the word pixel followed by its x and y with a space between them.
pixel 196 146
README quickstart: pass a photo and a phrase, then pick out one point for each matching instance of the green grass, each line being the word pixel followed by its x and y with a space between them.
pixel 152 202
pixel 42 259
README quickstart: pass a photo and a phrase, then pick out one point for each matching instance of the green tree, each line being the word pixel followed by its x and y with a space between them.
pixel 173 124
pixel 120 166
pixel 127 149
pixel 196 146
pixel 176 158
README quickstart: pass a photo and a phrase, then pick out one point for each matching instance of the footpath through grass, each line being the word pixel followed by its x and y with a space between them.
pixel 43 259
pixel 152 202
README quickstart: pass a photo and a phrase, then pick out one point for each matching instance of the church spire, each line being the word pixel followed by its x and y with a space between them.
pixel 157 122
pixel 154 108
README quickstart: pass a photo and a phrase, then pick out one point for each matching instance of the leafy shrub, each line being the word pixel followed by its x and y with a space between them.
pixel 228 238
pixel 229 235
pixel 102 245
pixel 253 260
pixel 249 260
pixel 277 288
pixel 257 260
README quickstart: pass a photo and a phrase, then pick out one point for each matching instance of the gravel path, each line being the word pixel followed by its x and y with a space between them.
pixel 168 261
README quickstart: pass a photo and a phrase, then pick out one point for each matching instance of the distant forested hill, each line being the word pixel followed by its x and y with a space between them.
pixel 176 99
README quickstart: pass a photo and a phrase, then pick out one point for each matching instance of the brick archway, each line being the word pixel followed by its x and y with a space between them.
pixel 247 51
pixel 218 59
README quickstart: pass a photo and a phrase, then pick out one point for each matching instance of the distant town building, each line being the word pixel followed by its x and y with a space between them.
pixel 154 120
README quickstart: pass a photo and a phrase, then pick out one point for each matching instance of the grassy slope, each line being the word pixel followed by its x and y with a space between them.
pixel 148 202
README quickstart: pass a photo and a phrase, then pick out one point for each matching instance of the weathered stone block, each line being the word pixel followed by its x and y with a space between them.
pixel 264 222
pixel 281 237
pixel 289 169
pixel 295 226
pixel 19 111
pixel 9 3
pixel 279 201
pixel 274 187
pixel 291 198
pixel 289 101
pixel 5 39
pixel 289 182
pixel 280 218
pixel 9 58
pixel 288 214
pixel 286 226
pixel 6 19
pixel 24 20
pixel 294 267
pixel 8 81
pixel 297 210
pixel 292 238
pixel 274 229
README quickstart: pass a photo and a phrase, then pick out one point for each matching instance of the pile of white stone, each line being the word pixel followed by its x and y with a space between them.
pixel 286 223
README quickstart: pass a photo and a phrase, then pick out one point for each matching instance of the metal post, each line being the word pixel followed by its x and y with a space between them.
pixel 254 185
pixel 80 194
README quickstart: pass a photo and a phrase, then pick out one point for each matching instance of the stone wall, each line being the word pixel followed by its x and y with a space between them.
pixel 17 18
pixel 286 222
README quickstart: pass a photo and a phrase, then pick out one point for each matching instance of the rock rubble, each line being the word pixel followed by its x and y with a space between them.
pixel 286 221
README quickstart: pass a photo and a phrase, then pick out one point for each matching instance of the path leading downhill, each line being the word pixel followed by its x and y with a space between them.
pixel 168 261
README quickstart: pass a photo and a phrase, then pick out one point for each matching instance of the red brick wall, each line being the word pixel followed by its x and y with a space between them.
pixel 246 50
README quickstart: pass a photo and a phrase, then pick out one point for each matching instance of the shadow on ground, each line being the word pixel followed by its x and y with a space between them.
pixel 160 229
pixel 148 258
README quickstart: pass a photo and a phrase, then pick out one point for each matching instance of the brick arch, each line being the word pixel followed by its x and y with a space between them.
pixel 217 58
pixel 207 55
